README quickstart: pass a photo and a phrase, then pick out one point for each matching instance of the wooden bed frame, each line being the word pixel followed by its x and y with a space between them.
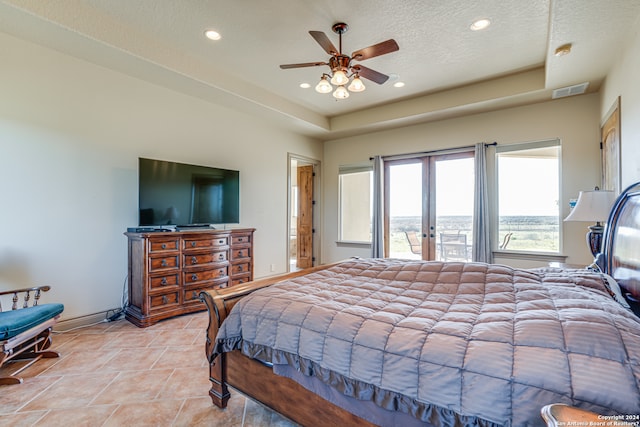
pixel 300 405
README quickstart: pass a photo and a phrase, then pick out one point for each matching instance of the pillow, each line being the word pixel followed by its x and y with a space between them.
pixel 616 293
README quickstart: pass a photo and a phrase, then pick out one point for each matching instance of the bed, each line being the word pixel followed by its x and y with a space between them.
pixel 403 343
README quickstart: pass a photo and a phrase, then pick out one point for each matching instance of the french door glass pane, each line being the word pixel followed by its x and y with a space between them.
pixel 405 210
pixel 454 208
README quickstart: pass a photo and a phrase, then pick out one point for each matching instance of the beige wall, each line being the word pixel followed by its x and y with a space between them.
pixel 70 136
pixel 574 120
pixel 623 81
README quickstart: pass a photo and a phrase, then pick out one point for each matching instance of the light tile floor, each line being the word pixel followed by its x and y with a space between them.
pixel 116 374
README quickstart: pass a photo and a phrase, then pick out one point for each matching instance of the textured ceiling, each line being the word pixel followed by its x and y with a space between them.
pixel 447 69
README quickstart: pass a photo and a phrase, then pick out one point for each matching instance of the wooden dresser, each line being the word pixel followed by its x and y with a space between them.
pixel 167 270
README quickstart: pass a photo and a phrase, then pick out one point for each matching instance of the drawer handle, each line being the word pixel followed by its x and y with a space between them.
pixel 240 239
pixel 163 281
pixel 239 253
pixel 239 268
pixel 221 257
pixel 165 299
pixel 220 242
pixel 220 273
pixel 194 260
pixel 240 281
pixel 164 263
pixel 194 295
pixel 194 276
pixel 164 246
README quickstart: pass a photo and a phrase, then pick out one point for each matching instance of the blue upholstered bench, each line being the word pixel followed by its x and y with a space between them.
pixel 25 332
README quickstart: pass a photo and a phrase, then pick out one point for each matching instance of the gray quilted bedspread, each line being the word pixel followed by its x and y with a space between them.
pixel 450 343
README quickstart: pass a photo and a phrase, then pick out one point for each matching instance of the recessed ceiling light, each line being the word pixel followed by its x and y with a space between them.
pixel 398 84
pixel 212 35
pixel 305 85
pixel 480 24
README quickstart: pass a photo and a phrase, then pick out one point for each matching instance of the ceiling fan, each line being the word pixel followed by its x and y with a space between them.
pixel 341 65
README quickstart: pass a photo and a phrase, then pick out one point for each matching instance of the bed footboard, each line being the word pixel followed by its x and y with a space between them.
pixel 219 303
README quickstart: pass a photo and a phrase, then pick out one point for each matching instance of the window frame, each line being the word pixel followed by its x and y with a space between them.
pixel 522 146
pixel 347 170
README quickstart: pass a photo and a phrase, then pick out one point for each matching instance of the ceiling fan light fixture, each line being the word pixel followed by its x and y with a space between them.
pixel 356 85
pixel 339 78
pixel 341 93
pixel 323 85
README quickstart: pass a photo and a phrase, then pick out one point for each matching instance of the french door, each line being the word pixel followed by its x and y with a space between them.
pixel 429 207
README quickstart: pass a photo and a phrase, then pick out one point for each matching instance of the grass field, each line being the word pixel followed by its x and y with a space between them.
pixel 529 233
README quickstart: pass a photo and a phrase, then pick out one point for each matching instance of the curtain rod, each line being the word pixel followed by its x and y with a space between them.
pixel 426 153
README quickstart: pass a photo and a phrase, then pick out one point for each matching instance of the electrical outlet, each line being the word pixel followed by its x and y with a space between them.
pixel 273 268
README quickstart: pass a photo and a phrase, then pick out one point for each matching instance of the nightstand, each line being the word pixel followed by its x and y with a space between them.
pixel 559 414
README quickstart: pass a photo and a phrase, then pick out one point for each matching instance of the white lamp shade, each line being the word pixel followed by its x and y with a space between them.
pixel 339 78
pixel 324 86
pixel 356 85
pixel 341 93
pixel 592 206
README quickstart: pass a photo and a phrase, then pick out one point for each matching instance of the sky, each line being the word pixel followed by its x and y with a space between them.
pixel 454 193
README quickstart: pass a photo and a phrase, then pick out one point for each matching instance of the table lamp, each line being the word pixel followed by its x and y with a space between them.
pixel 593 206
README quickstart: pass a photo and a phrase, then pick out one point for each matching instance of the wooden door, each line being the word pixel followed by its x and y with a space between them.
pixel 610 146
pixel 304 253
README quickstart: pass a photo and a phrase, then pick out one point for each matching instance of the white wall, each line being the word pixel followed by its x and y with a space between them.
pixel 623 81
pixel 574 120
pixel 71 133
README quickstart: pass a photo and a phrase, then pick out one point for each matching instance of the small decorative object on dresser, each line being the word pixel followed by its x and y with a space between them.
pixel 167 271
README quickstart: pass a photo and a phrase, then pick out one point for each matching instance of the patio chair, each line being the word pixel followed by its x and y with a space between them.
pixel 453 247
pixel 414 243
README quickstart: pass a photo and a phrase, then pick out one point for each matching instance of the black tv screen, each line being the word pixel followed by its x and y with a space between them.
pixel 180 194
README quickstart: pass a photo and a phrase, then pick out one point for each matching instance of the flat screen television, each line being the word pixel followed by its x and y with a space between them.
pixel 186 195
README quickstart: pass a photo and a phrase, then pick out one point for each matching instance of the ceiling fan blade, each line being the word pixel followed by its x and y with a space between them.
pixel 375 50
pixel 306 64
pixel 370 74
pixel 324 41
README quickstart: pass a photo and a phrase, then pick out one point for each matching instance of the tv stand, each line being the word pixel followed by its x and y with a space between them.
pixel 167 271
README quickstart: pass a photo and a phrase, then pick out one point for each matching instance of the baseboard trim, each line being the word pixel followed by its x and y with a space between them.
pixel 82 321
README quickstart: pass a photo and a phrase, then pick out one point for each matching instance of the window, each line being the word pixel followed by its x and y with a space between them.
pixel 356 203
pixel 528 196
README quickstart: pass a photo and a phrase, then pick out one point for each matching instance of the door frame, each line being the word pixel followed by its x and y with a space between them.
pixel 291 158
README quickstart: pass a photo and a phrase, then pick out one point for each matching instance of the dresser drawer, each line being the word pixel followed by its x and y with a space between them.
pixel 192 296
pixel 163 245
pixel 238 280
pixel 240 253
pixel 241 268
pixel 165 300
pixel 163 282
pixel 194 277
pixel 199 259
pixel 167 262
pixel 240 239
pixel 199 243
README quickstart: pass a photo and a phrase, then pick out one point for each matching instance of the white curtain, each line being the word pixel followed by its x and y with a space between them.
pixel 377 242
pixel 481 249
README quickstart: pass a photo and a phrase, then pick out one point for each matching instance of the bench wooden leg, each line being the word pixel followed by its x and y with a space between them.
pixel 32 350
